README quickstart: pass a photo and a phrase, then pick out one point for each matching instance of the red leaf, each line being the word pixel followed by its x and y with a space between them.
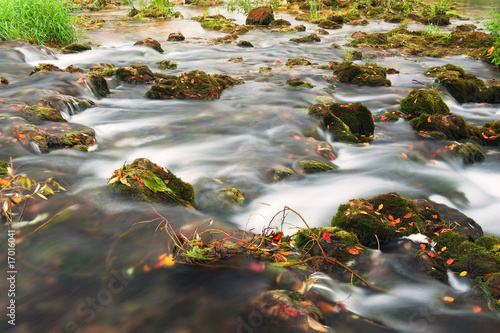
pixel 430 254
pixel 407 216
pixel 276 237
pixel 450 261
pixel 326 236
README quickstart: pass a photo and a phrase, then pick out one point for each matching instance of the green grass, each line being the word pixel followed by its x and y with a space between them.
pixel 37 21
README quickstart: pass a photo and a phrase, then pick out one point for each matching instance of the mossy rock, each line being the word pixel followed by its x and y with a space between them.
pixel 298 62
pixel 146 181
pixel 322 32
pixel 312 166
pixel 176 37
pixel 441 20
pixel 104 68
pixel 150 42
pixel 135 74
pixel 366 75
pixel 260 16
pixel 152 11
pixel 488 134
pixel 36 114
pixel 166 64
pixel 97 84
pixel 452 127
pixel 420 101
pixel 265 70
pixel 298 84
pixel 490 243
pixel 493 282
pixel 32 138
pixel 162 88
pixel 391 116
pixel 387 216
pixel 230 196
pixel 492 95
pixel 279 23
pixel 475 259
pixel 45 67
pixel 244 43
pixel 73 69
pixel 329 24
pixel 434 267
pixel 334 241
pixel 199 85
pixel 471 153
pixel 235 59
pixel 217 22
pixel 75 48
pixel 280 173
pixel 312 38
pixel 74 139
pixel 3 81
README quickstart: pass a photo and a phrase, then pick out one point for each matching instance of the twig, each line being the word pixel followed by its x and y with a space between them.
pixel 335 261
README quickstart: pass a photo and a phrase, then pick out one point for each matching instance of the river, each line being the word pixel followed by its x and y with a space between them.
pixel 235 140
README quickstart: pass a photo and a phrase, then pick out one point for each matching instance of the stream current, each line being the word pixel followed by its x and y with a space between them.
pixel 251 128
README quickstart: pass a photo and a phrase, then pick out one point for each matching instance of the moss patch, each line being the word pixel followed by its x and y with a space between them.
pixel 135 74
pixel 420 102
pixel 366 75
pixel 35 114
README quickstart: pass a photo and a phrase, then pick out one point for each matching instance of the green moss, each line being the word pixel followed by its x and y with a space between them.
pixel 265 70
pixel 491 243
pixel 45 67
pixel 76 48
pixel 312 38
pixel 166 64
pixel 329 24
pixel 488 134
pixel 279 23
pixel 35 114
pixel 298 62
pixel 72 139
pixel 29 134
pixel 452 127
pixel 356 116
pixel 312 166
pixel 369 74
pixel 298 84
pixel 388 216
pixel 3 169
pixel 217 22
pixel 423 101
pixel 135 74
pixel 104 68
pixel 235 59
pixel 347 71
pixel 161 89
pixel 279 174
pixel 199 85
pixel 244 43
pixel 334 241
pixel 98 84
pixel 471 153
pixel 150 182
pixel 230 196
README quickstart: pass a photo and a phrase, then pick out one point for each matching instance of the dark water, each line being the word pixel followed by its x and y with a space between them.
pixel 92 246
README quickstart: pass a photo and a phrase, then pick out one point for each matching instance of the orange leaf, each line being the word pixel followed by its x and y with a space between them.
pixel 430 254
pixel 22 136
pixel 391 217
pixel 422 246
pixel 434 217
pixel 352 251
pixel 476 309
pixel 407 216
pixel 450 261
pixel 448 299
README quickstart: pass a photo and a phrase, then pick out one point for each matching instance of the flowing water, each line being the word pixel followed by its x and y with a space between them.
pixel 235 140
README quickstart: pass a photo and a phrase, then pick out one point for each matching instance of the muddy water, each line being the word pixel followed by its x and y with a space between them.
pixel 95 238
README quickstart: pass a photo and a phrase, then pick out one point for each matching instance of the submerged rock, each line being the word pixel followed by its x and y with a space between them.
pixel 76 48
pixel 312 38
pixel 143 180
pixel 135 74
pixel 471 153
pixel 260 16
pixel 298 84
pixel 45 67
pixel 347 122
pixel 150 42
pixel 166 64
pixel 312 166
pixel 420 102
pixel 298 62
pixel 3 81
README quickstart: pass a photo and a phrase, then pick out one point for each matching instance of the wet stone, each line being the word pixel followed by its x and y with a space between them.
pixel 176 37
pixel 150 42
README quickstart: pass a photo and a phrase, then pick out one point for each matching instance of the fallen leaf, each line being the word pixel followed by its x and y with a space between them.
pixel 352 251
pixel 450 261
pixel 464 273
pixel 448 299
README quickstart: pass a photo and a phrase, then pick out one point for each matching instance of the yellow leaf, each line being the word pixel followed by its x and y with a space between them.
pixel 448 299
pixel 380 206
pixel 464 273
pixel 443 249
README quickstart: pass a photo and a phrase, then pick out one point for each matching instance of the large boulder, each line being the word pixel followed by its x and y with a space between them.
pixel 146 181
pixel 200 85
pixel 135 74
pixel 150 42
pixel 423 101
pixel 260 16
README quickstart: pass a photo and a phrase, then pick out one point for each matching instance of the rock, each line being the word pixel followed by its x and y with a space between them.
pixel 471 153
pixel 279 173
pixel 44 67
pixel 461 223
pixel 298 62
pixel 244 43
pixel 150 42
pixel 36 114
pixel 312 166
pixel 451 127
pixel 199 85
pixel 298 84
pixel 230 196
pixel 432 266
pixel 335 242
pixel 145 181
pixel 367 75
pixel 76 48
pixel 322 32
pixel 166 64
pixel 97 83
pixel 488 134
pixel 312 38
pixel 493 283
pixel 31 137
pixel 104 68
pixel 260 16
pixel 4 169
pixel 80 140
pixel 3 81
pixel 73 69
pixel 300 27
pixel 176 37
pixel 135 74
pixel 348 122
pixel 217 22
pixel 329 24
pixel 235 59
pixel 287 310
pixel 388 216
pixel 265 70
pixel 162 88
pixel 279 23
pixel 420 101
pixel 358 34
